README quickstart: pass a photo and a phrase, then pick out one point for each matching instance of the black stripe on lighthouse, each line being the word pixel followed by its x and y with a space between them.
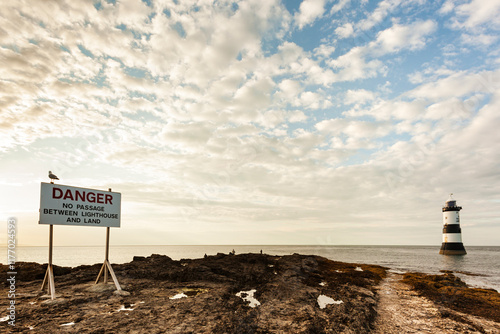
pixel 453 228
pixel 453 246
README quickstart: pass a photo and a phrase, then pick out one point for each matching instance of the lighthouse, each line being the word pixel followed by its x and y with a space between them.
pixel 452 234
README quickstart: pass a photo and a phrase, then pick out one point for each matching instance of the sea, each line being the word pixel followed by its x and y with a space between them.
pixel 479 268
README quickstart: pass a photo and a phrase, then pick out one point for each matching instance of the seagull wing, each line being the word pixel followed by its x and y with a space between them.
pixel 52 176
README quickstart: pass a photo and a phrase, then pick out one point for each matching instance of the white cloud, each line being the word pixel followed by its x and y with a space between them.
pixel 253 95
pixel 478 12
pixel 309 11
pixel 132 13
pixel 354 129
pixel 392 109
pixel 188 134
pixel 225 120
pixel 324 50
pixel 429 74
pixel 356 63
pixel 479 40
pixel 353 65
pixel 451 109
pixel 359 96
pixel 310 100
pixel 345 31
pixel 379 14
pixel 340 5
pixel 447 7
pixel 290 88
pixel 458 85
pixel 400 37
pixel 296 116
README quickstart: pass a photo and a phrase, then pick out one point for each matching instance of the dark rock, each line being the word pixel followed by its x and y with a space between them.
pixel 450 291
pixel 286 287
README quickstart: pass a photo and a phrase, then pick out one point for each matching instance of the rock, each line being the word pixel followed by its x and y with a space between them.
pixel 47 296
pixel 122 293
pixel 287 288
pixel 101 287
pixel 57 301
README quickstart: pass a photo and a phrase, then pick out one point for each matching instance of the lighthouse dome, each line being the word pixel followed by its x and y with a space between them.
pixel 451 201
pixel 451 205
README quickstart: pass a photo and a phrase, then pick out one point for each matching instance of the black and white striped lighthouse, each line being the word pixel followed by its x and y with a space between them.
pixel 452 234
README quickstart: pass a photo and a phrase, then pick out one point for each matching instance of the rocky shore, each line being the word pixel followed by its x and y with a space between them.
pixel 247 293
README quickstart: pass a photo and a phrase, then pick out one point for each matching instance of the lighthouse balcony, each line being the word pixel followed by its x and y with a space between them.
pixel 452 208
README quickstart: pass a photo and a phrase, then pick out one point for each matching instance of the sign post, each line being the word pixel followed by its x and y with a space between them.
pixel 106 266
pixel 65 205
pixel 49 274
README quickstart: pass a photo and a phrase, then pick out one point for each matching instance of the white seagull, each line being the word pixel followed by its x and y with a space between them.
pixel 52 177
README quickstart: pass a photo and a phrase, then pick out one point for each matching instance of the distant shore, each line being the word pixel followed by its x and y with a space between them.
pixel 244 293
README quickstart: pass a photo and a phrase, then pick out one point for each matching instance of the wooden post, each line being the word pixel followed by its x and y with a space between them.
pixel 106 266
pixel 49 274
pixel 106 258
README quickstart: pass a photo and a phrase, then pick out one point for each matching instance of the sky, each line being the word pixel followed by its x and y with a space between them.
pixel 254 122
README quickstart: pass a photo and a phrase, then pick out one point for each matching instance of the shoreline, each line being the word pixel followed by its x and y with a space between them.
pixel 477 268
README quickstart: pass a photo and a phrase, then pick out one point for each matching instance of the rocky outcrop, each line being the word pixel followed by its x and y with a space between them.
pixel 451 292
pixel 247 293
pixel 403 309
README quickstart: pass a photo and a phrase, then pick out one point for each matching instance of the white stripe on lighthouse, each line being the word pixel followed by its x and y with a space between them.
pixel 451 217
pixel 452 237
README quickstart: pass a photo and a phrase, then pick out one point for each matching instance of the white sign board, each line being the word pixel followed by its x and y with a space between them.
pixel 64 205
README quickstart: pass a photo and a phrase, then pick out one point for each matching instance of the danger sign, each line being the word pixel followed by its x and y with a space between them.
pixel 65 205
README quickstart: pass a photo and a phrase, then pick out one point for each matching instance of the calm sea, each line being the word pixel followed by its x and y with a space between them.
pixel 480 267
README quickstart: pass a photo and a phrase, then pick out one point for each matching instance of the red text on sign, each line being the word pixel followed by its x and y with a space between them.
pixel 84 196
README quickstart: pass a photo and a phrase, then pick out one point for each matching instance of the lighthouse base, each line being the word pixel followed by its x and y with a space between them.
pixel 452 248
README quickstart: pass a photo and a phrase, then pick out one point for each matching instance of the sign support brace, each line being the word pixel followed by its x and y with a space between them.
pixel 49 274
pixel 106 266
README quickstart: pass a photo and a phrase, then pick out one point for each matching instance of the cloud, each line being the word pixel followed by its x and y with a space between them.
pixel 235 117
pixel 340 5
pixel 476 13
pixel 353 65
pixel 324 50
pixel 187 135
pixel 353 129
pixel 359 96
pixel 379 14
pixel 356 63
pixel 479 40
pixel 439 159
pixel 458 85
pixel 309 11
pixel 290 88
pixel 455 96
pixel 447 7
pixel 345 31
pixel 450 109
pixel 310 100
pixel 253 95
pixel 400 37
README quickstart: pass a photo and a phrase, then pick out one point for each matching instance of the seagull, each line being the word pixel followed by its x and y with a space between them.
pixel 52 177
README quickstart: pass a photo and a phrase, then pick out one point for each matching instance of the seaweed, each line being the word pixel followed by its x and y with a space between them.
pixel 450 291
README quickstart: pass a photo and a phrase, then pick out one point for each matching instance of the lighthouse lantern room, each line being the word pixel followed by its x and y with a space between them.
pixel 452 234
